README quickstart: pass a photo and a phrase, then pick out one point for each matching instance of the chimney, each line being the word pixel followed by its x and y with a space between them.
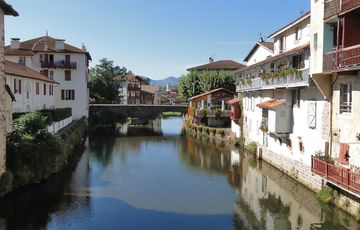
pixel 59 44
pixel 15 43
pixel 211 60
pixel 83 47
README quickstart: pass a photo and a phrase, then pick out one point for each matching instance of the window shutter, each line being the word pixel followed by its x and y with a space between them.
pixel 19 86
pixel 312 114
pixel 62 94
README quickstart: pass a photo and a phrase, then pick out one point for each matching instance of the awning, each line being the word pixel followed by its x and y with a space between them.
pixel 271 104
pixel 233 101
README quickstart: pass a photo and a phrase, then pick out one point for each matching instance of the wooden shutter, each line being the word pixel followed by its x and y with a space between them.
pixel 62 94
pixel 312 114
pixel 44 89
pixel 19 86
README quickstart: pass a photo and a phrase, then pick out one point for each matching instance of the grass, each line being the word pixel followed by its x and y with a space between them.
pixel 171 114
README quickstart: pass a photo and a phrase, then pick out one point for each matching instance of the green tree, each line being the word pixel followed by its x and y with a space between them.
pixel 197 82
pixel 101 83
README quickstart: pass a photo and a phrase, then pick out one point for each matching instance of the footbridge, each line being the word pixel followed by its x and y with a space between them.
pixel 136 110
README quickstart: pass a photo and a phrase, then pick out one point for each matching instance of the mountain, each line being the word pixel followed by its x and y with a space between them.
pixel 172 81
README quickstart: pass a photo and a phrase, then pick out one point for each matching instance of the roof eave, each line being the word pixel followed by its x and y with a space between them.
pixel 7 9
pixel 290 25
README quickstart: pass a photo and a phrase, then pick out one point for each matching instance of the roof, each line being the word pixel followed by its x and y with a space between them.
pixel 32 46
pixel 266 45
pixel 233 101
pixel 129 77
pixel 291 24
pixel 219 65
pixel 271 104
pixel 210 92
pixel 150 88
pixel 8 10
pixel 13 68
pixel 273 58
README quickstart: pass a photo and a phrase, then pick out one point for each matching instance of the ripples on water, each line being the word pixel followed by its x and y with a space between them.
pixel 160 180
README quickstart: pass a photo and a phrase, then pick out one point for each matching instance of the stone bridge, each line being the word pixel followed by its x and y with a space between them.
pixel 137 110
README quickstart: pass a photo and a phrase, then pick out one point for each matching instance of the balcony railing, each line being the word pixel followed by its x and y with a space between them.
pixel 349 4
pixel 336 174
pixel 342 59
pixel 58 65
pixel 282 82
pixel 332 7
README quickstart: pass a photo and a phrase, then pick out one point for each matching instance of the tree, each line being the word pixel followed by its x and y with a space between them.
pixel 197 82
pixel 102 85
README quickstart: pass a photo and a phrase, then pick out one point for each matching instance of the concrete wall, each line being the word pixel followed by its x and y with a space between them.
pixel 28 100
pixel 346 125
pixel 3 99
pixel 260 54
pixel 317 27
pixel 78 82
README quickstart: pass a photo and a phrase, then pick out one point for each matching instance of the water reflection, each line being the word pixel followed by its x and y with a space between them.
pixel 166 181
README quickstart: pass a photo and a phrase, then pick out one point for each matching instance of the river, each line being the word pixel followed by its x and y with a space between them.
pixel 163 180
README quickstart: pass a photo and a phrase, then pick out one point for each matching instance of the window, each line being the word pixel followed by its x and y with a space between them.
pixel 51 90
pixel 297 33
pixel 67 75
pixel 15 88
pixel 312 114
pixel 298 61
pixel 282 44
pixel 22 60
pixel 296 97
pixel 345 98
pixel 44 89
pixel 19 86
pixel 45 72
pixel 67 94
pixel 37 88
pixel 315 41
pixel 51 74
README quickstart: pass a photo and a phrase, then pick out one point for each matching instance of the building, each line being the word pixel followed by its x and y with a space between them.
pixel 32 90
pixel 5 101
pixel 221 65
pixel 129 88
pixel 59 61
pixel 335 65
pixel 284 111
pixel 150 94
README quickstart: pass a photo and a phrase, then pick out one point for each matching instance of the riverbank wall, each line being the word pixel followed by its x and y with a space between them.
pixel 32 164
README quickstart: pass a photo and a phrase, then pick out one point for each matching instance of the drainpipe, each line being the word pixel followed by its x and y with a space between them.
pixel 331 113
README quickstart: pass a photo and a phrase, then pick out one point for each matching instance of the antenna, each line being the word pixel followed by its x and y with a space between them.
pixel 47 33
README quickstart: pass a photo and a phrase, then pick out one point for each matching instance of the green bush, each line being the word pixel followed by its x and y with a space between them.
pixel 52 115
pixel 217 113
pixel 326 194
pixel 252 147
pixel 203 113
pixel 6 183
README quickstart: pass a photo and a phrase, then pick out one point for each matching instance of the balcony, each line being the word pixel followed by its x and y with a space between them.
pixel 281 82
pixel 336 174
pixel 332 7
pixel 212 113
pixel 342 59
pixel 347 5
pixel 58 65
pixel 134 88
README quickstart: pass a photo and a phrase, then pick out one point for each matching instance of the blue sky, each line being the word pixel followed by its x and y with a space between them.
pixel 155 38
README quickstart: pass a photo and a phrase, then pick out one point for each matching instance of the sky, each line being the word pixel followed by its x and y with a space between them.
pixel 155 38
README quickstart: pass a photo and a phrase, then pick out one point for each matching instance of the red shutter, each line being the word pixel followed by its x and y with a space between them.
pixel 344 154
pixel 62 94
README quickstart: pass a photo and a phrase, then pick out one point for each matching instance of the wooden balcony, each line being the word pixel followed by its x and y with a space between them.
pixel 348 5
pixel 342 59
pixel 283 82
pixel 58 65
pixel 338 175
pixel 332 8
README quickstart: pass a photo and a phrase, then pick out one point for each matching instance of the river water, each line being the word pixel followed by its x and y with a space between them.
pixel 161 180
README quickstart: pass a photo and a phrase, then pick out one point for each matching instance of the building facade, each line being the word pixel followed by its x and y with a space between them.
pixel 5 101
pixel 59 61
pixel 32 90
pixel 284 112
pixel 150 94
pixel 129 89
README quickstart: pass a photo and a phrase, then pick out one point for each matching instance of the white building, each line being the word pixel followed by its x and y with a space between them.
pixel 283 109
pixel 57 60
pixel 32 90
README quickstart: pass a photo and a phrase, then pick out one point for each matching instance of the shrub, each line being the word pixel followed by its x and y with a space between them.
pixel 217 113
pixel 252 147
pixel 6 183
pixel 326 194
pixel 203 113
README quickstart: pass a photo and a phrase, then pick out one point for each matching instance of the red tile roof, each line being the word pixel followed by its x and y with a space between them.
pixel 273 58
pixel 150 88
pixel 210 92
pixel 271 104
pixel 32 46
pixel 13 68
pixel 129 77
pixel 219 65
pixel 233 101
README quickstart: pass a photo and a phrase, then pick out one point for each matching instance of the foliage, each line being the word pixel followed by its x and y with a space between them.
pixel 217 113
pixel 252 147
pixel 101 83
pixel 203 113
pixel 171 114
pixel 52 115
pixel 326 194
pixel 6 183
pixel 197 82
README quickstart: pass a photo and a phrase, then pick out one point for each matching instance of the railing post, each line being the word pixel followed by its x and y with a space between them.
pixel 326 170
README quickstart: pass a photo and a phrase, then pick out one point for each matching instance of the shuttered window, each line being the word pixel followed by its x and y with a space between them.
pixel 312 114
pixel 37 88
pixel 68 94
pixel 44 89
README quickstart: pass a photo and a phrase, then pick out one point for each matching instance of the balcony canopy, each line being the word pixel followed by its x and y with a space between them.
pixel 271 104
